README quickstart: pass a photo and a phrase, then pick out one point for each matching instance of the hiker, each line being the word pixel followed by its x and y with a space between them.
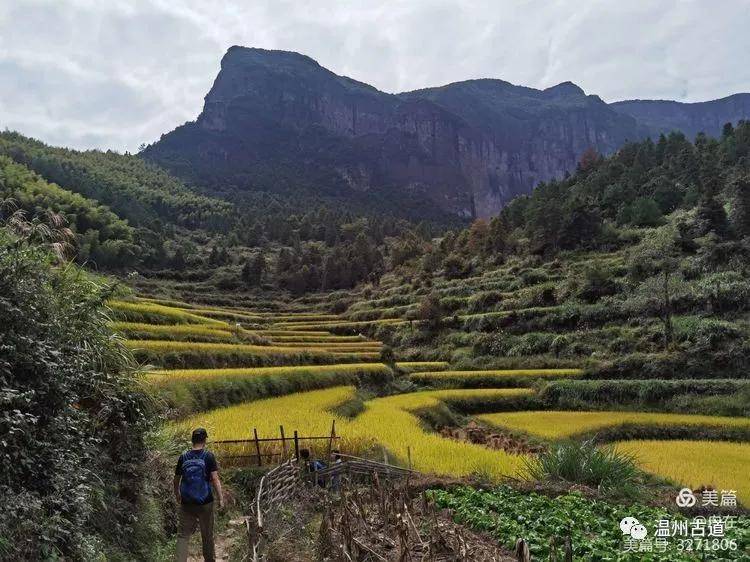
pixel 195 473
pixel 311 465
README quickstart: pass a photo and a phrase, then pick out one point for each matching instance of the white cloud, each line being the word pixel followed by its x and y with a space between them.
pixel 114 74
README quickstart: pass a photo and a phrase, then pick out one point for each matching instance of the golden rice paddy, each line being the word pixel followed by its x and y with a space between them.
pixel 696 464
pixel 197 375
pixel 159 314
pixel 385 421
pixel 418 366
pixel 559 424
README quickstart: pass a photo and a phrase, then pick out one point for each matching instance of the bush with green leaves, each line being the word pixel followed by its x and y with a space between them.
pixel 72 417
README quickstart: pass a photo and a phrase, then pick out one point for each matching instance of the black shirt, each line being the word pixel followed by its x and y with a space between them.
pixel 211 466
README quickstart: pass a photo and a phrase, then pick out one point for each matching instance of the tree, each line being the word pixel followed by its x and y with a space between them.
pixel 431 311
pixel 178 260
pixel 589 159
pixel 711 217
pixel 740 215
pixel 658 254
pixel 253 270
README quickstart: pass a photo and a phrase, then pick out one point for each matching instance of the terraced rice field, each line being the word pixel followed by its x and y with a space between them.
pixel 490 378
pixel 294 368
pixel 183 376
pixel 158 314
pixel 713 464
pixel 388 422
pixel 561 424
pixel 191 332
pixel 419 366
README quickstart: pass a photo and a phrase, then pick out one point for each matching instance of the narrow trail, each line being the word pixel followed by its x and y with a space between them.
pixel 223 544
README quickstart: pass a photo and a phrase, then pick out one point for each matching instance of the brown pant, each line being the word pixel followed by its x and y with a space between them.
pixel 190 515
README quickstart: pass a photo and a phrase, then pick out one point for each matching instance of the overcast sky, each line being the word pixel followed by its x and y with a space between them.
pixel 114 74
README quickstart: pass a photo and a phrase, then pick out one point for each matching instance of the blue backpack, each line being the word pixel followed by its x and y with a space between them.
pixel 194 486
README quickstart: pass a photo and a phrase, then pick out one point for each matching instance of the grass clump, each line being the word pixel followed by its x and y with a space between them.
pixel 607 469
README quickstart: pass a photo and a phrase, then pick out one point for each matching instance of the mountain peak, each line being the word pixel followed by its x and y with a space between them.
pixel 237 54
pixel 566 88
pixel 468 147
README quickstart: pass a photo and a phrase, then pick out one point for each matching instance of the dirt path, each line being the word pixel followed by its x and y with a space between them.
pixel 223 543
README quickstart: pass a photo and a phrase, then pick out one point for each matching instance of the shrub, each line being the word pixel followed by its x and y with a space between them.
pixel 72 418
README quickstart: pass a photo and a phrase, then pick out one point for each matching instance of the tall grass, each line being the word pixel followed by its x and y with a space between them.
pixel 582 462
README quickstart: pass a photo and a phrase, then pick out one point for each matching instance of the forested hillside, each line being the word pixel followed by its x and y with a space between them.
pixel 128 214
pixel 637 263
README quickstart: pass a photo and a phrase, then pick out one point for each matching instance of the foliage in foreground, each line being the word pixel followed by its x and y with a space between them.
pixel 72 419
pixel 592 525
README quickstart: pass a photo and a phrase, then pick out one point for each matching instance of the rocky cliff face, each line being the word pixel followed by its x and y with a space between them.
pixel 690 118
pixel 278 120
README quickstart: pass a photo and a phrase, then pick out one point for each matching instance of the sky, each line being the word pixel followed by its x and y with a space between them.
pixel 114 74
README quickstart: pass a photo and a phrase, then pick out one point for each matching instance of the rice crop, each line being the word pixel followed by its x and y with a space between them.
pixel 334 346
pixel 316 339
pixel 158 314
pixel 288 333
pixel 306 317
pixel 191 332
pixel 390 421
pixel 192 390
pixel 307 412
pixel 196 375
pixel 229 315
pixel 339 325
pixel 385 421
pixel 714 464
pixel 419 366
pixel 559 424
pixel 490 378
pixel 175 354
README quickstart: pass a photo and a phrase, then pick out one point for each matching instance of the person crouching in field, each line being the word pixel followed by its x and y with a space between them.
pixel 195 473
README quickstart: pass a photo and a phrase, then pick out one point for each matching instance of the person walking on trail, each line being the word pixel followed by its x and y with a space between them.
pixel 196 472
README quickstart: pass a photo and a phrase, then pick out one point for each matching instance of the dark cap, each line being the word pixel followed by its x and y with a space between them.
pixel 199 435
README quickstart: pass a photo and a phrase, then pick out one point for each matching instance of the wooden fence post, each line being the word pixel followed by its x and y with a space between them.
pixel 330 441
pixel 283 443
pixel 296 445
pixel 257 447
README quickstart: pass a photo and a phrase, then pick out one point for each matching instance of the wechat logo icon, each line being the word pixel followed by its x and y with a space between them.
pixel 631 526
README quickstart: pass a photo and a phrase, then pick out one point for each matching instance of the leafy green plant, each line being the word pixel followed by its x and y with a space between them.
pixel 592 525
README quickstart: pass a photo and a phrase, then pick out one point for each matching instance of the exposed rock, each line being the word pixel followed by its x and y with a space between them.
pixel 278 120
